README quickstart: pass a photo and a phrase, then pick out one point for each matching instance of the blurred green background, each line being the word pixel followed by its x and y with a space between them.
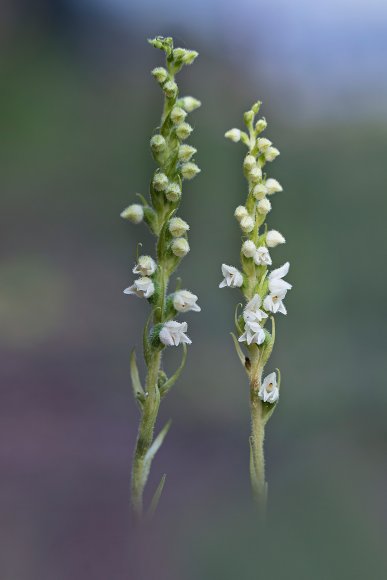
pixel 78 106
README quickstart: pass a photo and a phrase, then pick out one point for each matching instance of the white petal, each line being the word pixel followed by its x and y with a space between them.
pixel 280 272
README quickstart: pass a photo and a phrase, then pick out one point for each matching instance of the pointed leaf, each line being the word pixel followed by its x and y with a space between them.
pixel 153 449
pixel 236 318
pixel 239 351
pixel 138 391
pixel 156 497
pixel 144 201
pixel 172 380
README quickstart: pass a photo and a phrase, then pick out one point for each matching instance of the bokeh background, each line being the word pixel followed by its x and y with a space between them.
pixel 78 106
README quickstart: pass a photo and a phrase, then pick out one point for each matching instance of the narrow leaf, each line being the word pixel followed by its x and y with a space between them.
pixel 172 380
pixel 156 498
pixel 236 318
pixel 239 351
pixel 144 201
pixel 138 391
pixel 153 449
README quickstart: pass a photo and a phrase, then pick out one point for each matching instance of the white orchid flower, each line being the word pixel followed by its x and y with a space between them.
pixel 173 333
pixel 183 301
pixel 276 284
pixel 146 266
pixel 269 391
pixel 253 333
pixel 232 277
pixel 274 303
pixel 252 311
pixel 262 257
pixel 143 288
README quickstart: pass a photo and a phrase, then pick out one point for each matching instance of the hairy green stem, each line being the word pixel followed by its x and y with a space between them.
pixel 258 483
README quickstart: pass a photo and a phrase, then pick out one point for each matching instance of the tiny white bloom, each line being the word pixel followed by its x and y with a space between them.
pixel 252 311
pixel 146 266
pixel 183 131
pixel 255 174
pixel 233 135
pixel 240 212
pixel 269 391
pixel 272 186
pixel 177 227
pixel 158 143
pixel 173 192
pixel 184 301
pixel 249 162
pixel 259 191
pixel 170 89
pixel 133 213
pixel 178 115
pixel 271 153
pixel 274 303
pixel 160 181
pixel 262 257
pixel 189 104
pixel 160 74
pixel 189 170
pixel 186 152
pixel 180 247
pixel 248 249
pixel 232 277
pixel 247 224
pixel 173 333
pixel 274 238
pixel 253 333
pixel 264 206
pixel 276 283
pixel 260 125
pixel 263 144
pixel 143 288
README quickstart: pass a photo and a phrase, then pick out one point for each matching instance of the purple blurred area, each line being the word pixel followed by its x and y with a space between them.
pixel 78 107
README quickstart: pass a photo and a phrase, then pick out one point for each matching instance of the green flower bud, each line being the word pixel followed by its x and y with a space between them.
pixel 134 213
pixel 260 125
pixel 160 181
pixel 186 152
pixel 271 153
pixel 157 143
pixel 180 247
pixel 170 89
pixel 173 192
pixel 178 115
pixel 160 74
pixel 185 56
pixel 189 170
pixel 183 131
pixel 248 118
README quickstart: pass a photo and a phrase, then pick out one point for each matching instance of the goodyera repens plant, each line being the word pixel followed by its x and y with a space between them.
pixel 263 291
pixel 174 165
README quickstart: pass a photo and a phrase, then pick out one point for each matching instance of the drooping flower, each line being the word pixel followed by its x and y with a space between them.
pixel 133 213
pixel 276 284
pixel 233 135
pixel 143 288
pixel 232 277
pixel 253 333
pixel 184 301
pixel 252 311
pixel 146 266
pixel 271 153
pixel 262 257
pixel 269 391
pixel 273 186
pixel 173 333
pixel 264 206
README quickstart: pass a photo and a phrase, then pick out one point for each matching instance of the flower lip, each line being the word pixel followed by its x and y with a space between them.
pixel 269 391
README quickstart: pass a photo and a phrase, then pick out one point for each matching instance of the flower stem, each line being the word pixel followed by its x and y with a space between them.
pixel 257 459
pixel 145 434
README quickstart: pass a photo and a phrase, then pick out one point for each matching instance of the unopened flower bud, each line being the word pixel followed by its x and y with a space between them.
pixel 173 192
pixel 160 74
pixel 272 186
pixel 248 249
pixel 248 117
pixel 240 212
pixel 233 135
pixel 160 181
pixel 134 213
pixel 255 174
pixel 189 170
pixel 183 131
pixel 271 153
pixel 189 104
pixel 186 152
pixel 263 144
pixel 259 191
pixel 157 143
pixel 274 238
pixel 170 89
pixel 180 247
pixel 177 227
pixel 247 224
pixel 178 115
pixel 249 162
pixel 260 125
pixel 264 206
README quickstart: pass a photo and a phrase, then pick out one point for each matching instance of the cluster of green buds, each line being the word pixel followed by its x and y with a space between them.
pixel 175 164
pixel 264 292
